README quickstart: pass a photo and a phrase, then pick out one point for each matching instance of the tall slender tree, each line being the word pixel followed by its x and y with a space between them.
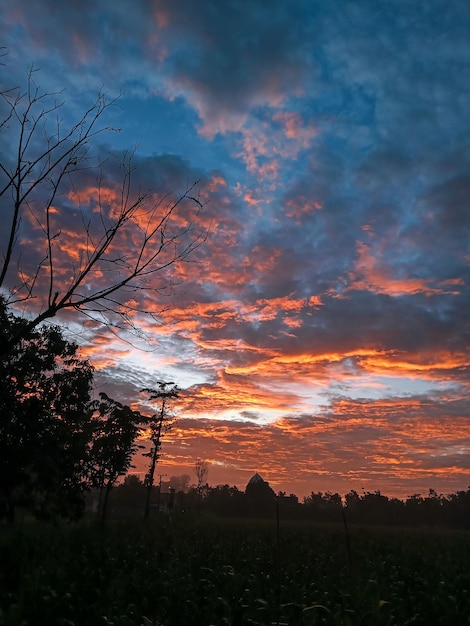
pixel 158 424
pixel 201 469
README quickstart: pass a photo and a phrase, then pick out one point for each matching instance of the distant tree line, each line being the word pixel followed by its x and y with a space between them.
pixel 260 501
pixel 431 509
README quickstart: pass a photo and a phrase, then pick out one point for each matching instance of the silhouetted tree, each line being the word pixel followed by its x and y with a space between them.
pixel 126 498
pixel 374 507
pixel 324 507
pixel 157 425
pixel 201 469
pixel 132 481
pixel 45 421
pixel 225 501
pixel 352 502
pixel 116 428
pixel 457 509
pixel 288 505
pixel 179 483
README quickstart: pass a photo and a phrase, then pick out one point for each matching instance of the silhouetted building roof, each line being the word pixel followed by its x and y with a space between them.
pixel 259 497
pixel 256 478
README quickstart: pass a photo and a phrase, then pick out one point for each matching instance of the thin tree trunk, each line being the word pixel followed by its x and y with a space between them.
pixel 156 448
pixel 104 508
pixel 150 482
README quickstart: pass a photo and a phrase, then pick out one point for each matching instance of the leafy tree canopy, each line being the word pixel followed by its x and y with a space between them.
pixel 46 424
pixel 56 442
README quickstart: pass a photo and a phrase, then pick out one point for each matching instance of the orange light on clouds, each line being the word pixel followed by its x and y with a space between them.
pixel 295 128
pixel 81 49
pixel 297 208
pixel 95 196
pixel 319 334
pixel 162 16
pixel 328 452
pixel 250 200
pixel 372 274
pixel 424 364
pixel 215 183
pixel 266 144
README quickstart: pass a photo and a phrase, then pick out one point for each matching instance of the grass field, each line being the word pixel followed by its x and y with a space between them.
pixel 203 572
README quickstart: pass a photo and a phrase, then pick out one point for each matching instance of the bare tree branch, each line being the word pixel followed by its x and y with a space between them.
pixel 127 237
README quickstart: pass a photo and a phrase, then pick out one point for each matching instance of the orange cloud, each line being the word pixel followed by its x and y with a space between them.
pixel 215 183
pixel 391 446
pixel 295 129
pixel 231 393
pixel 271 141
pixel 429 365
pixel 249 199
pixel 371 274
pixel 95 196
pixel 300 206
pixel 219 314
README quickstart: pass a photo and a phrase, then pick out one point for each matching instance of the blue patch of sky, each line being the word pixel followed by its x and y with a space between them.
pixel 160 126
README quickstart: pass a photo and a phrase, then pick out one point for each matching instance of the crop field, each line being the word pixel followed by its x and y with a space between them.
pixel 203 572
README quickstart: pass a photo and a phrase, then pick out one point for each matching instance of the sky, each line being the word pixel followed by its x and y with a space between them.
pixel 320 335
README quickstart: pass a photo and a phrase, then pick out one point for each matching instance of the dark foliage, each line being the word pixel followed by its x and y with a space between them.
pixel 55 441
pixel 46 422
pixel 116 428
pixel 259 501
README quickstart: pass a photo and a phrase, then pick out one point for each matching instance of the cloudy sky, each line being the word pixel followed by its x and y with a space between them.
pixel 320 335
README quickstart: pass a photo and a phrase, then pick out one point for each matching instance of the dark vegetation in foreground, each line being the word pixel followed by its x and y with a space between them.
pixel 202 571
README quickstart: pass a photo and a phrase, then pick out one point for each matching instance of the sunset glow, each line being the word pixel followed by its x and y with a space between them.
pixel 320 334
